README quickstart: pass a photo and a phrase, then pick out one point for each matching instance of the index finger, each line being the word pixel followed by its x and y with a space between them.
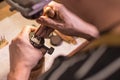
pixel 27 29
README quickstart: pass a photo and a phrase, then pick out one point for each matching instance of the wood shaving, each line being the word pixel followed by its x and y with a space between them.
pixel 3 42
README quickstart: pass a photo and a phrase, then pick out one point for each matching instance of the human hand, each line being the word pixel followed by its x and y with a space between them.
pixel 67 22
pixel 23 56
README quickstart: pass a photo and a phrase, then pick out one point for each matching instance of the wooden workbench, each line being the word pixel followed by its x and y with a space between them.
pixel 4 10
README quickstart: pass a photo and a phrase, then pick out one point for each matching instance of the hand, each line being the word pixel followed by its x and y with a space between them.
pixel 68 23
pixel 23 56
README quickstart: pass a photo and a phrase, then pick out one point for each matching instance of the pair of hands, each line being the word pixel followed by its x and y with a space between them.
pixel 24 57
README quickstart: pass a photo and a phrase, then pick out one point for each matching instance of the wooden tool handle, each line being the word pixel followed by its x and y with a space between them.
pixel 68 39
pixel 50 13
pixel 44 31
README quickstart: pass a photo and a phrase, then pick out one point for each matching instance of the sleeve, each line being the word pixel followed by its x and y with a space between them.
pixel 57 62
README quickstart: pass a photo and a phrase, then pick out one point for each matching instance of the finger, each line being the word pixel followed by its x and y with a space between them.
pixel 27 29
pixel 53 3
pixel 57 10
pixel 50 22
pixel 48 11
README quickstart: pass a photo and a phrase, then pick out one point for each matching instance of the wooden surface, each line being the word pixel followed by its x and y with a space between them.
pixel 4 10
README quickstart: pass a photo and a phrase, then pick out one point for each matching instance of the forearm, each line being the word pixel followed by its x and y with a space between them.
pixel 82 28
pixel 86 30
pixel 19 74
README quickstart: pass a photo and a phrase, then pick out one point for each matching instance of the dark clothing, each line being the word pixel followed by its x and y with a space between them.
pixel 99 63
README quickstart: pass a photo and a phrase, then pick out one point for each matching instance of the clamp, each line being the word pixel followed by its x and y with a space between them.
pixel 38 42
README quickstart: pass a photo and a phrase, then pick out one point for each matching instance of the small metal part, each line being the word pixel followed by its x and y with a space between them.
pixel 49 50
pixel 55 40
pixel 34 25
pixel 12 8
pixel 39 42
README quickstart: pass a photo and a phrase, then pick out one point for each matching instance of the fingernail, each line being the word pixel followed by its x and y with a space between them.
pixel 39 20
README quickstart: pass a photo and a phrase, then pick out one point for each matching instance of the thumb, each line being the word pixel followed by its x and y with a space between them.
pixel 27 29
pixel 50 22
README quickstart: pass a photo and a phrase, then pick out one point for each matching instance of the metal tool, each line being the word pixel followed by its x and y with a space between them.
pixel 32 9
pixel 38 42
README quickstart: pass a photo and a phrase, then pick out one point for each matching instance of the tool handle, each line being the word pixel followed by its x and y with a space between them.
pixel 44 31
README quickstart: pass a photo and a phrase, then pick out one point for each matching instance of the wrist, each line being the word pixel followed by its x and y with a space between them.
pixel 19 73
pixel 89 32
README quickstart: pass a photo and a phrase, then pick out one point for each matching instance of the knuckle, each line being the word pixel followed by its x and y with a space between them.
pixel 17 40
pixel 60 26
pixel 59 7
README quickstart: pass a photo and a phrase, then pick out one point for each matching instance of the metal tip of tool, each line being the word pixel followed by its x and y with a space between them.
pixel 12 9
